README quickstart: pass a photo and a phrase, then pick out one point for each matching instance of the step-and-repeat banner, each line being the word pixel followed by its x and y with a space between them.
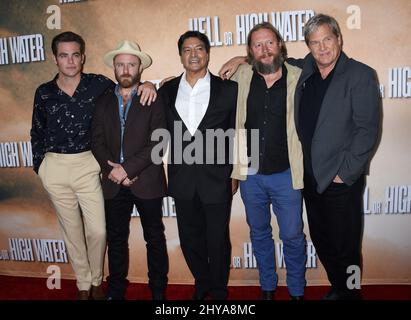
pixel 376 32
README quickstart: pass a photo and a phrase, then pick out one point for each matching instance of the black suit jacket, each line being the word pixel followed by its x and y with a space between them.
pixel 211 181
pixel 137 145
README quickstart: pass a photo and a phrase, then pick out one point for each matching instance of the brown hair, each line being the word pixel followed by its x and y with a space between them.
pixel 268 26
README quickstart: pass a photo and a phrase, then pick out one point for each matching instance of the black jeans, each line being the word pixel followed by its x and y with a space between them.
pixel 335 219
pixel 205 242
pixel 118 214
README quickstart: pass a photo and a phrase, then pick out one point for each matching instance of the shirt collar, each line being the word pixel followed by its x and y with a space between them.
pixel 118 94
pixel 206 78
pixel 79 86
pixel 283 78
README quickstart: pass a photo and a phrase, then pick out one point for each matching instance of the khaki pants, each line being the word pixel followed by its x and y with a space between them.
pixel 72 182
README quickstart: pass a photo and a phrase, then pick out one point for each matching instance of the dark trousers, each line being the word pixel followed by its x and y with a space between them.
pixel 335 221
pixel 118 213
pixel 205 242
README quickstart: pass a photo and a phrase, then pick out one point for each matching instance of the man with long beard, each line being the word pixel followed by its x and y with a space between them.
pixel 266 87
pixel 121 143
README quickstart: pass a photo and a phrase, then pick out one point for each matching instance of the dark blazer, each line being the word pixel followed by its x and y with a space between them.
pixel 348 124
pixel 137 145
pixel 211 181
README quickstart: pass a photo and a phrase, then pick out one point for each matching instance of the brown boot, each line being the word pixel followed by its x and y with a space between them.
pixel 97 293
pixel 83 295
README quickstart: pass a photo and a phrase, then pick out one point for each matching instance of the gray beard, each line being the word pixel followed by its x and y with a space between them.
pixel 268 68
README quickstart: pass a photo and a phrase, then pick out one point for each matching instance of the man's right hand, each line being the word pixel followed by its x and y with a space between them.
pixel 230 67
pixel 234 186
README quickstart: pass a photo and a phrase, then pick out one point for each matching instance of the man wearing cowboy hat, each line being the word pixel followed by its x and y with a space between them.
pixel 121 143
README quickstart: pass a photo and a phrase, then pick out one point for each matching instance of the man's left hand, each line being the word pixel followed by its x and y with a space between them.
pixel 117 174
pixel 127 182
pixel 148 93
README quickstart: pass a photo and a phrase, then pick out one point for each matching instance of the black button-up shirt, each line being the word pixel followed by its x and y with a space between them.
pixel 62 123
pixel 267 111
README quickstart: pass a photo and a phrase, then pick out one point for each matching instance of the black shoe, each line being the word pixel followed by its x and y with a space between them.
pixel 158 295
pixel 338 294
pixel 348 294
pixel 199 296
pixel 267 295
pixel 83 295
pixel 296 298
pixel 331 295
pixel 97 293
pixel 218 296
pixel 110 298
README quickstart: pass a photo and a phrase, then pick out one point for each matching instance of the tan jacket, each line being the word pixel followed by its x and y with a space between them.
pixel 243 77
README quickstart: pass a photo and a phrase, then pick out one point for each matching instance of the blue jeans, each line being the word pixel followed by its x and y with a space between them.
pixel 257 192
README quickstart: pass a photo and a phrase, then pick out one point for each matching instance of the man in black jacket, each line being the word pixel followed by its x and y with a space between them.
pixel 199 173
pixel 121 143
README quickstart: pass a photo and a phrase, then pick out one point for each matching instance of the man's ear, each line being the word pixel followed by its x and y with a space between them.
pixel 340 41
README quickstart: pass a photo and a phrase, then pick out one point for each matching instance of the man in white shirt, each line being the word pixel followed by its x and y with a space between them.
pixel 192 102
pixel 199 171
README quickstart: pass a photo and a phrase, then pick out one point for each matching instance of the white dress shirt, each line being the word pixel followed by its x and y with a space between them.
pixel 192 102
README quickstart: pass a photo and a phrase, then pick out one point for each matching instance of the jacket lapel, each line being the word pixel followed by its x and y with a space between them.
pixel 173 96
pixel 133 112
pixel 328 103
pixel 173 91
pixel 214 90
pixel 114 120
pixel 307 71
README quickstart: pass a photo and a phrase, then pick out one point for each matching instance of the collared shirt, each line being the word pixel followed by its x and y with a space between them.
pixel 192 102
pixel 267 111
pixel 62 123
pixel 122 113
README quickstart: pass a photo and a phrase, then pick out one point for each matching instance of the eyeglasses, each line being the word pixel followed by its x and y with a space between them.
pixel 122 65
